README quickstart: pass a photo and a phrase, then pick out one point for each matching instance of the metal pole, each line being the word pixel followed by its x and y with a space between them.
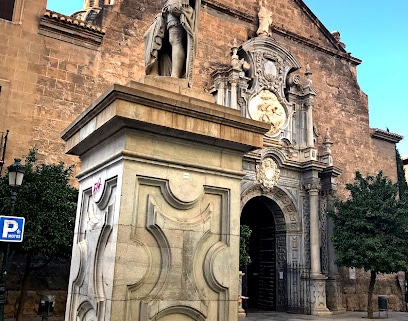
pixel 2 289
pixel 3 271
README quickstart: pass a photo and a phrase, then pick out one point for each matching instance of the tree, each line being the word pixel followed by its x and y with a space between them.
pixel 402 183
pixel 245 235
pixel 371 229
pixel 48 203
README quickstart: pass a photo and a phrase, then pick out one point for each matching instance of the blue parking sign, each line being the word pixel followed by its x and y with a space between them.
pixel 11 228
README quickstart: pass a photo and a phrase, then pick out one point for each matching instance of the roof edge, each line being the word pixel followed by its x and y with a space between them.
pixel 386 135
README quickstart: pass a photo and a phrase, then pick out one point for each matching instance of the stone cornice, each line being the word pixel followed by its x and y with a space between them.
pixel 65 28
pixel 251 19
pixel 151 107
pixel 385 135
pixel 315 45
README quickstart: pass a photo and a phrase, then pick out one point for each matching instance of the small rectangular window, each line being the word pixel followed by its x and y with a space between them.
pixel 7 9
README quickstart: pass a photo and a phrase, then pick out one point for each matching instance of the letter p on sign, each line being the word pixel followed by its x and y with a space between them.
pixel 9 226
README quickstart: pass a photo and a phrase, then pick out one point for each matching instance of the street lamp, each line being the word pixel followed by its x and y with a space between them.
pixel 16 174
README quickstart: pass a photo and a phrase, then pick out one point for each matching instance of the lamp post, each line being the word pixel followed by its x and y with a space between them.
pixel 16 174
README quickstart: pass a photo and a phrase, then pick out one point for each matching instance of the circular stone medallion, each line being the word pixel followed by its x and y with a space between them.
pixel 266 107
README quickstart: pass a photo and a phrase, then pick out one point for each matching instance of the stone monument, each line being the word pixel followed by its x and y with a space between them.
pixel 157 229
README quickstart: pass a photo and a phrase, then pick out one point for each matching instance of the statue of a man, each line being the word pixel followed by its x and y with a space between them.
pixel 170 42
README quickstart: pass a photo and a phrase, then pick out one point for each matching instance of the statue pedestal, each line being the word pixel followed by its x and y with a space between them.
pixel 157 229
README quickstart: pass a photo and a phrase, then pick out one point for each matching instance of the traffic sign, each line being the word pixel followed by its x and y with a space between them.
pixel 11 228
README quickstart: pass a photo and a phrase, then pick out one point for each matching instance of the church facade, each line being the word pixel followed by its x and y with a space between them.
pixel 268 63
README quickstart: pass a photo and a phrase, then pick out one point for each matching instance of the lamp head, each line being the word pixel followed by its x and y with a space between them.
pixel 16 173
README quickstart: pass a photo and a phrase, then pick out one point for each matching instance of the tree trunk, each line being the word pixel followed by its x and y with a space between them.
pixel 370 312
pixel 24 287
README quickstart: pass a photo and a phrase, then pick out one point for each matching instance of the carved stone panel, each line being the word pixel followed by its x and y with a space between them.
pixel 93 254
pixel 184 256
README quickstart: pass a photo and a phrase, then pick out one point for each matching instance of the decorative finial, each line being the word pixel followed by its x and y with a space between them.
pixel 308 75
pixel 327 142
pixel 236 63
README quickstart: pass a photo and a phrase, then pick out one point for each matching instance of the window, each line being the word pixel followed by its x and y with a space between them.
pixel 7 9
pixel 11 10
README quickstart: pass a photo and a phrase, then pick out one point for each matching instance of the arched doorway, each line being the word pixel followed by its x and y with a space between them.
pixel 260 282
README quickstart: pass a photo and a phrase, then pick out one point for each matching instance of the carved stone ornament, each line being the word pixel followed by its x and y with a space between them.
pixel 267 173
pixel 266 107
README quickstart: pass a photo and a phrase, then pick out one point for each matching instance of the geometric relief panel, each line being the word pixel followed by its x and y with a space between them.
pixel 93 255
pixel 182 251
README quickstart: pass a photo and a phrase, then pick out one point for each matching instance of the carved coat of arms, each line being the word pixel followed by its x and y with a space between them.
pixel 267 173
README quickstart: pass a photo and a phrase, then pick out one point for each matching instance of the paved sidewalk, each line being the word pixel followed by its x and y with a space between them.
pixel 281 316
pixel 37 318
pixel 349 316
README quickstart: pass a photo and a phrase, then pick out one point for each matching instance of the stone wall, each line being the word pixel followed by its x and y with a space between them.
pixel 355 297
pixel 51 279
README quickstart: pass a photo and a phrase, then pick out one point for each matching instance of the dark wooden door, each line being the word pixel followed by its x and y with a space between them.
pixel 267 269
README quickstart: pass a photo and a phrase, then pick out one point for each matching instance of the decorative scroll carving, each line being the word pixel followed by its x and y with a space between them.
pixel 281 257
pixel 324 236
pixel 306 228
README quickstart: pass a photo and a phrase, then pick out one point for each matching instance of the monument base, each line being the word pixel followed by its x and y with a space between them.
pixel 159 206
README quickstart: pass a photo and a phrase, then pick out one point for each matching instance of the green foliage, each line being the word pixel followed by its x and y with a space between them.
pixel 371 227
pixel 245 235
pixel 402 183
pixel 48 203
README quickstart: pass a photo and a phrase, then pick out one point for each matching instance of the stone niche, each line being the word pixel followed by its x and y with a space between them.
pixel 157 228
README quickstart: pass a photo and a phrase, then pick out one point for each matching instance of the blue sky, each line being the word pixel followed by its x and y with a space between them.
pixel 374 31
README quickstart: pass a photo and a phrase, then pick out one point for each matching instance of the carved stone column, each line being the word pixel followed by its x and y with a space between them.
pixel 233 81
pixel 221 93
pixel 314 229
pixel 333 284
pixel 318 280
pixel 309 105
